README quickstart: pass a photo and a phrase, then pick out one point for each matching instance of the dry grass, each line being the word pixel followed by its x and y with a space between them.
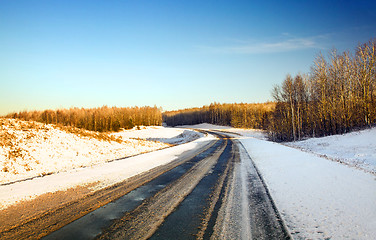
pixel 91 134
pixel 8 126
pixel 9 140
pixel 14 131
pixel 30 148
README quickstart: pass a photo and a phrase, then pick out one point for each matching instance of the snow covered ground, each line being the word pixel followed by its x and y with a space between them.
pixel 357 149
pixel 317 198
pixel 29 149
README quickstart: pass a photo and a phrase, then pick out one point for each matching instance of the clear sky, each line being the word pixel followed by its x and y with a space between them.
pixel 173 54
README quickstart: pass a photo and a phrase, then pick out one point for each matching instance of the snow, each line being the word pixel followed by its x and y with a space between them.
pixel 318 198
pixel 30 149
pixel 357 149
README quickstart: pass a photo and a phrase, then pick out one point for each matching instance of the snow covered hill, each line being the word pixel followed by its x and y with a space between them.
pixel 357 149
pixel 29 149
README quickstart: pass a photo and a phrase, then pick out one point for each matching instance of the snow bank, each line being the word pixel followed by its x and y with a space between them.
pixel 356 149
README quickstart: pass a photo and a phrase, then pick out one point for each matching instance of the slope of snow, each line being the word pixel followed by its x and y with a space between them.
pixel 355 149
pixel 30 149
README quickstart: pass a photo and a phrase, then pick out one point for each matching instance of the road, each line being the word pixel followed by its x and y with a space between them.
pixel 214 193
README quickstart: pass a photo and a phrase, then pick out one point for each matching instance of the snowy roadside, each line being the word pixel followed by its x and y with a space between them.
pixel 317 198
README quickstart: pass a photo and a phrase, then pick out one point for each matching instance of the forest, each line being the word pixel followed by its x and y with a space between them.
pixel 243 115
pixel 337 96
pixel 101 119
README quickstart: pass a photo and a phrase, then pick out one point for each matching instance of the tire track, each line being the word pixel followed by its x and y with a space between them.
pixel 194 217
pixel 145 219
pixel 248 211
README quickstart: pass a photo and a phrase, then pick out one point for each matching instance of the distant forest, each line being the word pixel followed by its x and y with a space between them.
pixel 243 115
pixel 337 96
pixel 101 119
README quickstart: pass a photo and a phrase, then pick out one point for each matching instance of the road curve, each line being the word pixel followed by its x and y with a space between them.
pixel 214 193
pixel 222 197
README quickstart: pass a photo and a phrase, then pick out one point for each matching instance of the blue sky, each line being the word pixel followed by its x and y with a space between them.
pixel 173 54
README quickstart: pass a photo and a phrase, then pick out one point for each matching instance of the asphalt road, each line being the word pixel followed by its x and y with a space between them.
pixel 213 193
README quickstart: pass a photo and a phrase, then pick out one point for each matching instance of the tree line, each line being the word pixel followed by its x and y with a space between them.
pixel 337 96
pixel 100 119
pixel 244 115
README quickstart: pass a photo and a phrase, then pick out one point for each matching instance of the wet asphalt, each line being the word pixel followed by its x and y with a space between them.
pixel 187 220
